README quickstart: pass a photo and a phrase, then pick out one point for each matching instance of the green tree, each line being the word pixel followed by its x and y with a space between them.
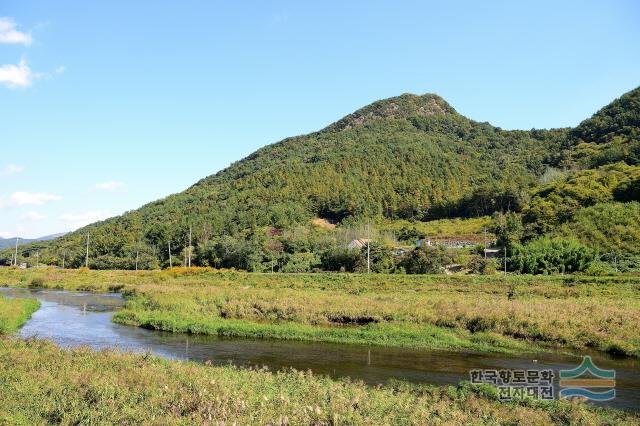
pixel 508 229
pixel 301 262
pixel 426 260
pixel 551 255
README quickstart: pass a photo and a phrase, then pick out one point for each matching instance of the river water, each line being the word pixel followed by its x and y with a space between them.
pixel 72 319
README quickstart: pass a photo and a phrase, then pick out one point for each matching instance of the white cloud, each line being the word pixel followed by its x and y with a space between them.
pixel 60 70
pixel 110 185
pixel 10 35
pixel 21 198
pixel 33 198
pixel 17 76
pixel 278 18
pixel 11 169
pixel 78 220
pixel 4 234
pixel 32 215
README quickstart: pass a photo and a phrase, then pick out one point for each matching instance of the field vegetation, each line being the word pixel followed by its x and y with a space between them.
pixel 509 314
pixel 15 312
pixel 43 384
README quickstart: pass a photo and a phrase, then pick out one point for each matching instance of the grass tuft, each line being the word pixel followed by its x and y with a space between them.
pixel 15 312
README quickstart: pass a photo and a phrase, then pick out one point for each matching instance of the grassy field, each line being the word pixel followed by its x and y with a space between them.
pixel 512 314
pixel 40 383
pixel 43 384
pixel 15 312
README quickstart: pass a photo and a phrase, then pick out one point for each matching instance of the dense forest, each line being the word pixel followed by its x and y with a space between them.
pixel 413 159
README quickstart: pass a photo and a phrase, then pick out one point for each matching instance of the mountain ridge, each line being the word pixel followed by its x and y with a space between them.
pixel 10 242
pixel 409 157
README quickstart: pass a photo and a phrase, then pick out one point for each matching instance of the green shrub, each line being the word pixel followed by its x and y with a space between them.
pixel 480 265
pixel 551 255
pixel 36 282
pixel 301 262
pixel 600 269
pixel 426 260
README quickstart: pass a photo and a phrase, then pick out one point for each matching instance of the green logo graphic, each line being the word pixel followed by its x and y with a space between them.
pixel 579 382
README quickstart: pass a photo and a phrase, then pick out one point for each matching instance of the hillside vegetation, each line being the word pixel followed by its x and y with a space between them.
pixel 407 160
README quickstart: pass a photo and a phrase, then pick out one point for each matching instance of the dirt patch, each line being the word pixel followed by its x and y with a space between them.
pixel 323 223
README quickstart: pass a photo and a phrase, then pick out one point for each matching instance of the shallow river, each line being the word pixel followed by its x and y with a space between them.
pixel 75 318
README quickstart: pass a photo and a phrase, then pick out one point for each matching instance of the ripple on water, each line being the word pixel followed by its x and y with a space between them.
pixel 73 319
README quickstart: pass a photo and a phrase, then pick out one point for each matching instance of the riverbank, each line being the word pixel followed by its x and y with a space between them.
pixel 498 314
pixel 41 383
pixel 15 312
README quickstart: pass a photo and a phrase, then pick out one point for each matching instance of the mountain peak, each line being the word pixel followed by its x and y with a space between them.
pixel 620 118
pixel 398 107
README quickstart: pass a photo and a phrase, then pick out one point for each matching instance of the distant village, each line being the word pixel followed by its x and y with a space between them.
pixel 454 242
pixel 451 243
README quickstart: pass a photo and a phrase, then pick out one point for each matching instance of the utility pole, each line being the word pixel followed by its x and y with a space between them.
pixel 37 259
pixel 64 255
pixel 16 253
pixel 170 260
pixel 505 260
pixel 86 260
pixel 189 246
pixel 138 251
pixel 368 247
pixel 485 242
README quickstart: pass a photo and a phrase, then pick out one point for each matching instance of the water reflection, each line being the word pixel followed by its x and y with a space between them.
pixel 73 319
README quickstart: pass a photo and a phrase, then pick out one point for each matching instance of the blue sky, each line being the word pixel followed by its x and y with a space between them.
pixel 108 105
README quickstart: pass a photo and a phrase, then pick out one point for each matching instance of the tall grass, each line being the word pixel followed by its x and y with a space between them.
pixel 457 312
pixel 15 312
pixel 43 384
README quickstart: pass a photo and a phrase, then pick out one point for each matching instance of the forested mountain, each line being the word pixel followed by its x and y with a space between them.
pixel 11 242
pixel 408 157
pixel 611 135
